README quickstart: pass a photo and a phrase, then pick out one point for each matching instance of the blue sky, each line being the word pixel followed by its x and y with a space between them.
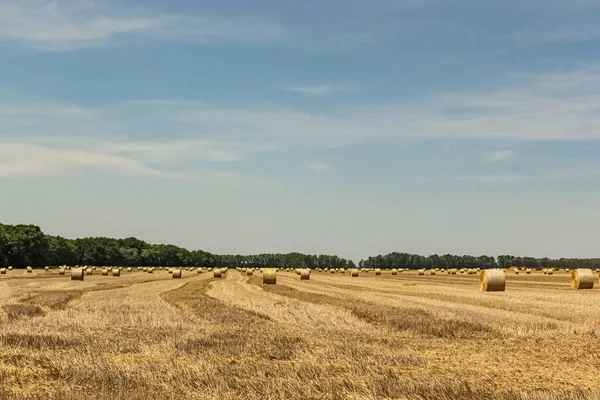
pixel 350 127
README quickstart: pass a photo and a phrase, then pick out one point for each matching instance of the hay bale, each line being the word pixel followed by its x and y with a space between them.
pixel 333 271
pixel 297 271
pixel 421 272
pixel 217 273
pixel 177 273
pixel 249 271
pixel 116 272
pixel 394 271
pixel 129 269
pixel 150 270
pixel 305 274
pixel 170 270
pixel 61 271
pixel 269 276
pixel 89 271
pixel 2 271
pixel 493 280
pixel 10 268
pixel 432 272
pixel 199 270
pixel 104 272
pixel 77 274
pixel 29 270
pixel 377 271
pixel 47 269
pixel 550 271
pixel 354 273
pixel 145 269
pixel 582 278
pixel 516 272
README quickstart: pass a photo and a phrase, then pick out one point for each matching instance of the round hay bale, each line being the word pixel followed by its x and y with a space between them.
pixel 377 271
pixel 104 272
pixel 550 272
pixel 432 272
pixel 61 271
pixel 493 280
pixel 516 272
pixel 145 269
pixel 567 270
pixel 47 269
pixel 29 270
pixel 354 273
pixel 333 271
pixel 116 272
pixel 3 271
pixel 176 273
pixel 269 276
pixel 77 274
pixel 249 271
pixel 582 278
pixel 199 270
pixel 297 270
pixel 170 270
pixel 224 271
pixel 129 269
pixel 150 270
pixel 10 268
pixel 394 271
pixel 421 272
pixel 305 274
pixel 217 273
pixel 89 271
pixel 453 271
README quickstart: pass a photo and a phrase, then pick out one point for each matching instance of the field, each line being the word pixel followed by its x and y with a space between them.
pixel 148 336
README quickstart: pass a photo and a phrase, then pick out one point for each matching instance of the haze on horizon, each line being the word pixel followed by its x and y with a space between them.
pixel 341 127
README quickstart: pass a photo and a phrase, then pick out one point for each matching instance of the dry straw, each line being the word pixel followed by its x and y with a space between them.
pixel 176 273
pixel 432 272
pixel 217 273
pixel 354 273
pixel 104 272
pixel 269 276
pixel 378 271
pixel 88 271
pixel 150 270
pixel 305 274
pixel 493 280
pixel 77 274
pixel 116 272
pixel 421 272
pixel 582 278
pixel 249 271
pixel 199 270
pixel 394 271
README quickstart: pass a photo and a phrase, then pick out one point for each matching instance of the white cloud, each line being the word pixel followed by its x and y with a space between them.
pixel 319 90
pixel 500 155
pixel 319 167
pixel 61 25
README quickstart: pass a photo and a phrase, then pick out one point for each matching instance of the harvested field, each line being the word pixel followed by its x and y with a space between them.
pixel 404 336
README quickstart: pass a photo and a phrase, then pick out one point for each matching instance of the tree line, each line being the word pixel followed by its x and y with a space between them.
pixel 416 261
pixel 27 245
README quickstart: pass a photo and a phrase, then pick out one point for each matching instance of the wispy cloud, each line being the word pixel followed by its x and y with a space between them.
pixel 319 167
pixel 61 25
pixel 499 155
pixel 319 90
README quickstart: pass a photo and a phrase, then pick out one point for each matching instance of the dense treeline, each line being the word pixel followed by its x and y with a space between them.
pixel 414 261
pixel 24 245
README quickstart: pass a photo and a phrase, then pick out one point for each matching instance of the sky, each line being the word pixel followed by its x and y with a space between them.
pixel 347 127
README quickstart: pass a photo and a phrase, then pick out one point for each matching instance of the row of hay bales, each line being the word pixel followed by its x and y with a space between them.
pixel 494 280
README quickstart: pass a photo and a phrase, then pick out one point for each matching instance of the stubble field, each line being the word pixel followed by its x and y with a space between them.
pixel 148 336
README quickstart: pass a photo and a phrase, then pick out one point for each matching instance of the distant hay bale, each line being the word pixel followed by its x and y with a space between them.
pixel 421 272
pixel 2 271
pixel 199 270
pixel 493 280
pixel 516 272
pixel 150 270
pixel 29 270
pixel 394 271
pixel 116 272
pixel 582 278
pixel 217 273
pixel 61 271
pixel 145 269
pixel 453 271
pixel 305 274
pixel 104 272
pixel 129 269
pixel 567 270
pixel 249 271
pixel 354 273
pixel 77 274
pixel 432 272
pixel 471 271
pixel 269 276
pixel 10 268
pixel 377 271
pixel 47 269
pixel 89 271
pixel 528 271
pixel 550 271
pixel 170 270
pixel 176 273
